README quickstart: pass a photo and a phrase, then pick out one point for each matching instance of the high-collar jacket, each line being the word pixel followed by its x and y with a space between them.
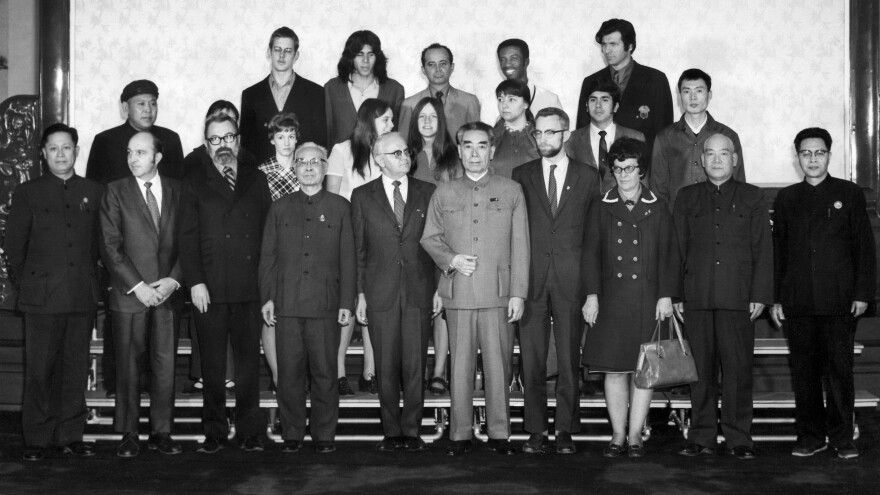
pixel 386 253
pixel 559 244
pixel 132 249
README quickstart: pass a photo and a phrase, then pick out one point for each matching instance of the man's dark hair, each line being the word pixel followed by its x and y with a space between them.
pixel 695 75
pixel 812 132
pixel 221 105
pixel 624 149
pixel 515 43
pixel 158 147
pixel 353 45
pixel 56 128
pixel 284 32
pixel 475 126
pixel 604 86
pixel 555 112
pixel 218 118
pixel 622 26
pixel 436 46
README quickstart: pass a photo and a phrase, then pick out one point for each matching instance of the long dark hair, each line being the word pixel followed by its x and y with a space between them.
pixel 353 45
pixel 443 148
pixel 364 133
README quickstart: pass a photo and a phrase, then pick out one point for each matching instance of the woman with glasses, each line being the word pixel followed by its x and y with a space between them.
pixel 514 143
pixel 639 263
pixel 351 164
pixel 436 161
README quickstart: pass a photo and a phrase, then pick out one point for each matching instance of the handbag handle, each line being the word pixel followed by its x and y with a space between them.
pixel 673 327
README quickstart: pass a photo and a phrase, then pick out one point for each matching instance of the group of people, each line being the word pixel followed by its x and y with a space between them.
pixel 476 232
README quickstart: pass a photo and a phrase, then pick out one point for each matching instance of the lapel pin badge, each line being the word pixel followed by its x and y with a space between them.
pixel 321 218
pixel 838 205
pixel 84 203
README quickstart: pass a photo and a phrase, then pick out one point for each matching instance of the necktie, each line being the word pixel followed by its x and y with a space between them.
pixel 230 177
pixel 439 96
pixel 551 191
pixel 617 78
pixel 152 205
pixel 398 203
pixel 603 154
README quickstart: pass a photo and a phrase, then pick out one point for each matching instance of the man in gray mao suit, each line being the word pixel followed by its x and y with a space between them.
pixel 477 232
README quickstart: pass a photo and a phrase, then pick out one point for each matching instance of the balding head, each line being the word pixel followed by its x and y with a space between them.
pixel 392 155
pixel 719 158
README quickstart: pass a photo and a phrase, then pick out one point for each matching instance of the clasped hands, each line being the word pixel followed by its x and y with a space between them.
pixel 268 312
pixel 156 293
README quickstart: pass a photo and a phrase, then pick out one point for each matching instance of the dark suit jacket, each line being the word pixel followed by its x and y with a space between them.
pixel 220 231
pixel 307 262
pixel 52 244
pixel 580 148
pixel 383 250
pixel 108 157
pixel 132 249
pixel 559 245
pixel 306 100
pixel 647 87
pixel 825 257
pixel 341 115
pixel 726 255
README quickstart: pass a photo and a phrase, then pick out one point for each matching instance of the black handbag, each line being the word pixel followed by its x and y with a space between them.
pixel 665 363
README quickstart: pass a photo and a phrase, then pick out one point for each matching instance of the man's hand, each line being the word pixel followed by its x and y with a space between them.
pixel 268 312
pixel 777 315
pixel 514 309
pixel 200 297
pixel 166 286
pixel 360 309
pixel 664 308
pixel 755 309
pixel 858 308
pixel 344 316
pixel 591 309
pixel 437 306
pixel 679 310
pixel 464 264
pixel 147 295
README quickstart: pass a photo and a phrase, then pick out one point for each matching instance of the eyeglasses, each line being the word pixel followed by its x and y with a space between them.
pixel 399 153
pixel 549 133
pixel 621 170
pixel 215 140
pixel 807 154
pixel 278 50
pixel 312 162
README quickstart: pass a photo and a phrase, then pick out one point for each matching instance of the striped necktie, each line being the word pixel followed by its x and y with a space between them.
pixel 229 174
pixel 551 191
pixel 398 203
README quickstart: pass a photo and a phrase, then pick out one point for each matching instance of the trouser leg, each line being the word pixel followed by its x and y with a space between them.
pixel 164 332
pixel 322 337
pixel 534 336
pixel 735 338
pixel 495 338
pixel 704 392
pixel 244 335
pixel 292 376
pixel 462 358
pixel 807 360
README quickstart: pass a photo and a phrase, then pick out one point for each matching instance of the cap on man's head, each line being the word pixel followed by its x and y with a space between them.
pixel 140 87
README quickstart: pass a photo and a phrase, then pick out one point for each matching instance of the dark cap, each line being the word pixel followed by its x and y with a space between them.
pixel 141 87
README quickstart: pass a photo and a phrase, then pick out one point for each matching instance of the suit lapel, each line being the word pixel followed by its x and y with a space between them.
pixel 134 191
pixel 377 192
pixel 168 202
pixel 536 177
pixel 412 199
pixel 572 176
pixel 217 182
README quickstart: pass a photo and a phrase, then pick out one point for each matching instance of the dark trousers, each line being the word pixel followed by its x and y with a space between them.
pixel 56 372
pixel 726 338
pixel 534 332
pixel 238 323
pixel 160 327
pixel 195 363
pixel 307 347
pixel 400 342
pixel 822 345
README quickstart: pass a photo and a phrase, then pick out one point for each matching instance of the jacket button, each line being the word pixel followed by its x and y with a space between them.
pixel 619 275
pixel 635 258
pixel 620 224
pixel 620 241
pixel 547 255
pixel 228 236
pixel 620 258
pixel 635 242
pixel 635 276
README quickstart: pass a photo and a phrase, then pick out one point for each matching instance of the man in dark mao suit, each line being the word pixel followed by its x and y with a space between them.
pixel 307 281
pixel 477 233
pixel 283 90
pixel 139 247
pixel 223 206
pixel 825 277
pixel 645 98
pixel 396 287
pixel 727 257
pixel 559 193
pixel 52 247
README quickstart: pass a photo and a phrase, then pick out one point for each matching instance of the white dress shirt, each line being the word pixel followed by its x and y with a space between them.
pixel 358 96
pixel 559 174
pixel 610 132
pixel 155 188
pixel 389 188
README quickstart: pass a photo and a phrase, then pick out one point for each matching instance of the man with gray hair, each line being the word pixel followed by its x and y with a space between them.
pixel 307 284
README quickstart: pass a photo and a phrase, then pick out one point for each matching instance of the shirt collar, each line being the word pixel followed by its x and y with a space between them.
pixel 609 131
pixel 275 85
pixel 724 187
pixel 561 164
pixel 155 182
pixel 480 180
pixel 388 181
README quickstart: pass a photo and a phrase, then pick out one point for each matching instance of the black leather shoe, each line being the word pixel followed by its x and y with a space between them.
pixel 79 449
pixel 564 443
pixel 438 386
pixel 636 450
pixel 742 452
pixel 291 446
pixel 252 444
pixel 614 450
pixel 211 445
pixel 694 450
pixel 368 385
pixel 33 453
pixel 459 447
pixel 536 444
pixel 164 444
pixel 344 388
pixel 325 447
pixel 414 444
pixel 502 447
pixel 128 448
pixel 847 451
pixel 388 444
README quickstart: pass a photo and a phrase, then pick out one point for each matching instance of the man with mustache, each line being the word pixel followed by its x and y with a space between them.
pixel 223 205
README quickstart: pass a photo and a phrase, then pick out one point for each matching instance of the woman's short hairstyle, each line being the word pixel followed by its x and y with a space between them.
pixel 282 122
pixel 624 149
